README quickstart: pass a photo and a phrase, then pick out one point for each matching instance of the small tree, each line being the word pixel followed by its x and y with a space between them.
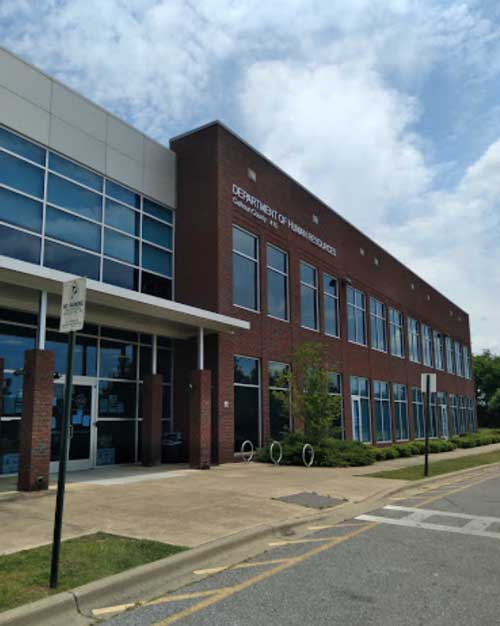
pixel 312 402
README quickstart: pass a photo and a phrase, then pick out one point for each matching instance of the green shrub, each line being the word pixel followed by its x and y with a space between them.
pixel 471 440
pixel 405 450
pixel 441 445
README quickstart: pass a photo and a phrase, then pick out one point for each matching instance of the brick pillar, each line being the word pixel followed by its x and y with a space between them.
pixel 34 447
pixel 151 419
pixel 200 418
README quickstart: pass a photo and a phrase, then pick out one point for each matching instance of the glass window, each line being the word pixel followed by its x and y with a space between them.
pixel 115 442
pixel 117 399
pixel 164 364
pixel 121 193
pixel 121 247
pixel 443 415
pixel 19 245
pixel 383 423
pixel 308 296
pixel 418 413
pixel 454 415
pixel 361 412
pixel 117 360
pixel 450 361
pixel 156 286
pixel 335 390
pixel 245 270
pixel 20 210
pixel 458 359
pixel 426 345
pixel 70 260
pixel 277 283
pixel 463 414
pixel 74 171
pixel 21 175
pixel 71 229
pixel 157 260
pixel 279 400
pixel 433 417
pixel 22 147
pixel 246 401
pixel 377 325
pixel 356 316
pixel 331 305
pixel 414 340
pixel 438 350
pixel 472 418
pixel 396 332
pixel 156 232
pixel 9 446
pixel 467 364
pixel 14 341
pixel 121 217
pixel 401 412
pixel 12 397
pixel 73 197
pixel 120 275
pixel 85 355
pixel 156 210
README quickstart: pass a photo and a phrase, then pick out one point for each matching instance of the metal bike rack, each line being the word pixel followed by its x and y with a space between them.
pixel 247 455
pixel 308 447
pixel 276 444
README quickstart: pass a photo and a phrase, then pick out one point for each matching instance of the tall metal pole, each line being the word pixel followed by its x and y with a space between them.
pixel 61 481
pixel 427 408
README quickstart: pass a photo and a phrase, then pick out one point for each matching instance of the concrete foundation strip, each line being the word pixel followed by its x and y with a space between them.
pixel 155 579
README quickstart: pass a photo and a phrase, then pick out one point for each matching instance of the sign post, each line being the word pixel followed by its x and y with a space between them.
pixel 72 319
pixel 428 386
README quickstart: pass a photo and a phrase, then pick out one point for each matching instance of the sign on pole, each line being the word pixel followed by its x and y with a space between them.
pixel 73 305
pixel 432 388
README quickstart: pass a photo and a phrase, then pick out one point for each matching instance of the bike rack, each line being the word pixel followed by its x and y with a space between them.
pixel 308 447
pixel 247 455
pixel 280 455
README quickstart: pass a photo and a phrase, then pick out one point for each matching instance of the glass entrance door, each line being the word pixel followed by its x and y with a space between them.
pixel 81 445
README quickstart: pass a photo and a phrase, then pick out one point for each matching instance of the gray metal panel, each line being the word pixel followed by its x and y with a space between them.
pixel 77 144
pixel 23 116
pixel 158 186
pixel 125 139
pixel 159 172
pixel 79 112
pixel 24 80
pixel 124 169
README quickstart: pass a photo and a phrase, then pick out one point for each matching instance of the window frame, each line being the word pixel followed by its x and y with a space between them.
pixel 285 275
pixel 427 345
pixel 379 402
pixel 397 411
pixel 286 390
pixel 414 340
pixel 400 328
pixel 327 297
pixel 315 289
pixel 379 322
pixel 258 386
pixel 255 260
pixel 356 308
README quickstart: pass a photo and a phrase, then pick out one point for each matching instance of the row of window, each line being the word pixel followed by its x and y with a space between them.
pixel 425 345
pixel 56 213
pixel 449 414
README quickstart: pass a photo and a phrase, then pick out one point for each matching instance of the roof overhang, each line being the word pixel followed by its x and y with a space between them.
pixel 110 305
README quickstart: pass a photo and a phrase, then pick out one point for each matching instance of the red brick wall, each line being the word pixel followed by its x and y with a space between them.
pixel 200 410
pixel 275 340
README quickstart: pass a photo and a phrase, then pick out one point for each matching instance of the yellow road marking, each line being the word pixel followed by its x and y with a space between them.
pixel 294 542
pixel 440 496
pixel 222 595
pixel 216 570
pixel 186 596
pixel 119 608
pixel 327 526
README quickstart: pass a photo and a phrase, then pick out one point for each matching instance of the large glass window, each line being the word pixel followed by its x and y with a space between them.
pixel 396 333
pixel 22 147
pixel 438 350
pixel 70 196
pixel 383 423
pixel 245 269
pixel 463 414
pixel 21 175
pixel 19 245
pixel 118 360
pixel 450 360
pixel 433 417
pixel 121 247
pixel 20 210
pixel 443 415
pixel 122 217
pixel 426 345
pixel 335 390
pixel 279 400
pixel 277 283
pixel 361 413
pixel 414 340
pixel 246 401
pixel 418 413
pixel 356 316
pixel 377 325
pixel 72 170
pixel 308 296
pixel 472 418
pixel 401 412
pixel 458 359
pixel 331 305
pixel 467 364
pixel 66 227
pixel 455 424
pixel 71 260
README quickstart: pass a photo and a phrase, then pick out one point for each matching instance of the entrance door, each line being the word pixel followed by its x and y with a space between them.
pixel 81 452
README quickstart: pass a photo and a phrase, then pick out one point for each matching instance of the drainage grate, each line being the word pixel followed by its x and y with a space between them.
pixel 311 500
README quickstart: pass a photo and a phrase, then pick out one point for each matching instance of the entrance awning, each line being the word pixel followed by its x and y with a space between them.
pixel 20 284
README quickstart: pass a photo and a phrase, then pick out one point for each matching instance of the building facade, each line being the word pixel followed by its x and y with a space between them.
pixel 207 267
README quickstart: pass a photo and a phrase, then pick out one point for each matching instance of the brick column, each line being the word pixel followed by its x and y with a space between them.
pixel 151 419
pixel 34 447
pixel 200 418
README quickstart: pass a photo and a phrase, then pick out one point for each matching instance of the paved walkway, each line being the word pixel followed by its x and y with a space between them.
pixel 184 506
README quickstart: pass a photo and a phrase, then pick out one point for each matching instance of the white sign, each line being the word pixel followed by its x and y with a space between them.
pixel 432 384
pixel 73 305
pixel 263 212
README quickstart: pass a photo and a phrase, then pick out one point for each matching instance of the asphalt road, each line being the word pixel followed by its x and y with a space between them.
pixel 430 560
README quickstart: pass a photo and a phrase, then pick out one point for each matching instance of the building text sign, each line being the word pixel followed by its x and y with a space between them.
pixel 73 305
pixel 263 212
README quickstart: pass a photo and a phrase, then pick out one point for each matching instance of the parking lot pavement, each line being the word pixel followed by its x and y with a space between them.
pixel 429 558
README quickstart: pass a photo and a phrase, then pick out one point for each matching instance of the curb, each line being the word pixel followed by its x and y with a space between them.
pixel 159 577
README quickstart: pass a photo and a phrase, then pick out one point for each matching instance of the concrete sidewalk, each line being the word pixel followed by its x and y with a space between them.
pixel 183 506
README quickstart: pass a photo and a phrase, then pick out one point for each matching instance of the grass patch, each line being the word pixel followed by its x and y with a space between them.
pixel 416 472
pixel 24 576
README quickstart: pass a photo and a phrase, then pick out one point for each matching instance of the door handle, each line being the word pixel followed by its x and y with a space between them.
pixel 71 431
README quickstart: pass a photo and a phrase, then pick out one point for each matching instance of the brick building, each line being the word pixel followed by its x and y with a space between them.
pixel 207 266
